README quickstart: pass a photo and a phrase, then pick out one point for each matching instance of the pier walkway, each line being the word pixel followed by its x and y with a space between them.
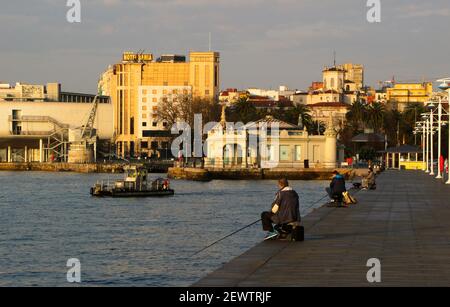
pixel 405 223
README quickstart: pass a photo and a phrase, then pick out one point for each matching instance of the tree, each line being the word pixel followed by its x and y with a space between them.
pixel 243 111
pixel 296 113
pixel 356 117
pixel 183 108
pixel 375 115
pixel 317 128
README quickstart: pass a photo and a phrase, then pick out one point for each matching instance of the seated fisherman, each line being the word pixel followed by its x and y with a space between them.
pixel 285 209
pixel 371 183
pixel 337 186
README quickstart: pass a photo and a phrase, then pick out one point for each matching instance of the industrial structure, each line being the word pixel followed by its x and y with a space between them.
pixel 43 124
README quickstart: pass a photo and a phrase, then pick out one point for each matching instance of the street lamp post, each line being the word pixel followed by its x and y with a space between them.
pixel 439 176
pixel 428 146
pixel 424 168
pixel 445 86
pixel 432 142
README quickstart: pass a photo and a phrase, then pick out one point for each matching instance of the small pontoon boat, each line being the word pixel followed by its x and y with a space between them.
pixel 135 184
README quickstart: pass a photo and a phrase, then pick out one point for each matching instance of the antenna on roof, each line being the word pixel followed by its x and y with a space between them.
pixel 334 58
pixel 210 39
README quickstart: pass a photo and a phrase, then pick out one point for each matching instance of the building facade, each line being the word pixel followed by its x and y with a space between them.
pixel 37 127
pixel 154 133
pixel 124 80
pixel 403 94
pixel 253 147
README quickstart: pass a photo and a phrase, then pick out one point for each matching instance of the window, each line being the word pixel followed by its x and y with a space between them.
pixel 216 76
pixel 144 116
pixel 155 124
pixel 164 92
pixel 165 124
pixel 144 100
pixel 144 92
pixel 284 153
pixel 155 109
pixel 154 100
pixel 144 124
pixel 154 92
pixel 175 92
pixel 298 153
pixel 144 144
pixel 144 108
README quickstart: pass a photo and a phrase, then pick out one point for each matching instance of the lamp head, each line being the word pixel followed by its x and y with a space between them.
pixel 444 84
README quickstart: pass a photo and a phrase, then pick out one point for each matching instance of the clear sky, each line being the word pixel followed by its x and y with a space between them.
pixel 263 43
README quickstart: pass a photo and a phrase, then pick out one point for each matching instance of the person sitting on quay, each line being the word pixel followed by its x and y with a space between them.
pixel 369 182
pixel 285 210
pixel 337 186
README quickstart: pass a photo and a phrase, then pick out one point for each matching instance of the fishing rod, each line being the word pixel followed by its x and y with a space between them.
pixel 226 237
pixel 243 228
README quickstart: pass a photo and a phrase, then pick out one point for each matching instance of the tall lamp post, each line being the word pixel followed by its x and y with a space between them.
pixel 445 86
pixel 426 129
pixel 431 106
pixel 421 129
pixel 439 176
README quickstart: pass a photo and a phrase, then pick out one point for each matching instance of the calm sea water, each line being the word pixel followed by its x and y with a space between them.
pixel 48 218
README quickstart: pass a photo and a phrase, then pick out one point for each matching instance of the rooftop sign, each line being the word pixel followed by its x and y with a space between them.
pixel 137 58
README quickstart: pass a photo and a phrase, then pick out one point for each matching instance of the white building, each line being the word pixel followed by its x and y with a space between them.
pixel 36 129
pixel 275 95
pixel 254 146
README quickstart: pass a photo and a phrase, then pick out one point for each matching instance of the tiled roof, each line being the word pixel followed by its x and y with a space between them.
pixel 271 120
pixel 329 104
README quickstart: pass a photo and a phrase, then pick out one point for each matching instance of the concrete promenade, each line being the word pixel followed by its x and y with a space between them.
pixel 405 223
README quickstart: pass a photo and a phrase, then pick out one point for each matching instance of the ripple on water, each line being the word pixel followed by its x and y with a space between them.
pixel 48 218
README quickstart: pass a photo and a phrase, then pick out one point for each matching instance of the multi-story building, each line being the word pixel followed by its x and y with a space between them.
pixel 124 81
pixel 354 76
pixel 403 94
pixel 39 122
pixel 154 133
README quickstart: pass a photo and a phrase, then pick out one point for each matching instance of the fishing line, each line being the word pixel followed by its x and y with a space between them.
pixel 243 228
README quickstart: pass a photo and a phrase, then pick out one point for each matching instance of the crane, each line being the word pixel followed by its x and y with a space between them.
pixel 88 129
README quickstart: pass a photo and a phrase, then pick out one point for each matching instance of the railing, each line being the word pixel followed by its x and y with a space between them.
pixel 29 118
pixel 31 133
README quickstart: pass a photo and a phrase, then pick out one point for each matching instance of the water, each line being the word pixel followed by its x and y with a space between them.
pixel 48 218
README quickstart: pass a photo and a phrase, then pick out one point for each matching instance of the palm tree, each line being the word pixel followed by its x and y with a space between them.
pixel 300 114
pixel 356 116
pixel 243 111
pixel 317 128
pixel 376 116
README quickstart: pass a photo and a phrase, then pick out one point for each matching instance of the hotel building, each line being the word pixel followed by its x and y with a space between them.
pixel 135 113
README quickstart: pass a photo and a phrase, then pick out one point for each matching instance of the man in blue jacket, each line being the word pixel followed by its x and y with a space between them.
pixel 285 209
pixel 337 185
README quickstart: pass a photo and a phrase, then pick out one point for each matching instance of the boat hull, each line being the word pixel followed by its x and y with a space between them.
pixel 133 194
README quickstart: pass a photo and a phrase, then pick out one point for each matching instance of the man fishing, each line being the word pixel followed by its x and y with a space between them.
pixel 285 210
pixel 337 185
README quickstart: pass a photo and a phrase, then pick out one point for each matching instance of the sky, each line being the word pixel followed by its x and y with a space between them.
pixel 263 43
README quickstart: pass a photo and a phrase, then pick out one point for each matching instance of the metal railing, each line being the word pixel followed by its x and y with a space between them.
pixel 31 118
